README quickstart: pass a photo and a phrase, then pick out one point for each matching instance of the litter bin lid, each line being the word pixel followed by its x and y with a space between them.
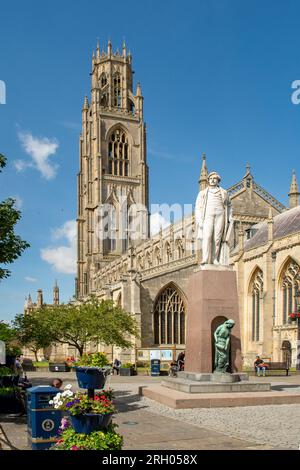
pixel 42 389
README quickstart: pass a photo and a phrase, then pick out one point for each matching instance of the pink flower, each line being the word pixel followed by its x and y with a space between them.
pixel 74 448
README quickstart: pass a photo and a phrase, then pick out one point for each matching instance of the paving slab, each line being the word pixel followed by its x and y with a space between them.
pixel 149 425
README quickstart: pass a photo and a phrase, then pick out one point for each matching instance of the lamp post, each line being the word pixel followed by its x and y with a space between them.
pixel 297 318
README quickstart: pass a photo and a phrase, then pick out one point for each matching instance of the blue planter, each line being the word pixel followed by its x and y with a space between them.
pixel 90 377
pixel 85 424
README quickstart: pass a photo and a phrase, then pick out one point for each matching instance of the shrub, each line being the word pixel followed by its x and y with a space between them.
pixel 97 359
pixel 6 392
pixel 127 365
pixel 5 371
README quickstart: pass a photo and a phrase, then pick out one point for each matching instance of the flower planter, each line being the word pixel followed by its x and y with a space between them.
pixel 127 371
pixel 90 377
pixel 87 423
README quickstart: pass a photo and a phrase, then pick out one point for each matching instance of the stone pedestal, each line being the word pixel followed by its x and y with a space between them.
pixel 213 299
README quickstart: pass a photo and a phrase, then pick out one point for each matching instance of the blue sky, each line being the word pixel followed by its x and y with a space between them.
pixel 216 76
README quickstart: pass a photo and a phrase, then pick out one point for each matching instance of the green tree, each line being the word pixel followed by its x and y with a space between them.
pixel 11 245
pixel 77 325
pixel 31 332
pixel 8 335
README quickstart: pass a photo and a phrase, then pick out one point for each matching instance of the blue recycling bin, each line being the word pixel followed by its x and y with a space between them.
pixel 43 420
pixel 155 367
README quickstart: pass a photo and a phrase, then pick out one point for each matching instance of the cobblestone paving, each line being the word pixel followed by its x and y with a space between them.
pixel 274 425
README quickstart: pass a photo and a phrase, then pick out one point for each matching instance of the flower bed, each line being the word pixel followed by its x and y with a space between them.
pixel 89 425
pixel 79 403
pixel 98 440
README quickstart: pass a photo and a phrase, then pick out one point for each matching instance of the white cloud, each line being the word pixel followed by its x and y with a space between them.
pixel 157 221
pixel 30 279
pixel 39 149
pixel 63 258
pixel 19 201
pixel 21 165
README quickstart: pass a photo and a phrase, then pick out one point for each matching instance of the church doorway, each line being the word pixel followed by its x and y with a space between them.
pixel 286 352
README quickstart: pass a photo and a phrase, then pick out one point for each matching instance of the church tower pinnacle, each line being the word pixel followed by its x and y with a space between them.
pixel 204 174
pixel 294 192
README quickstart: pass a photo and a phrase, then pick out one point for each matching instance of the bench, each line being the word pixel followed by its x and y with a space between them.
pixel 277 366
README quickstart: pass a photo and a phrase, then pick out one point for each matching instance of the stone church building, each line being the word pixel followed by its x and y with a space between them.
pixel 148 275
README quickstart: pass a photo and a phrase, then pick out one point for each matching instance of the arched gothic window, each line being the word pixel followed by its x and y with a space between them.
pixel 169 317
pixel 290 283
pixel 104 90
pixel 128 224
pixel 118 153
pixel 110 226
pixel 256 292
pixel 103 80
pixel 157 257
pixel 117 98
pixel 167 252
pixel 179 248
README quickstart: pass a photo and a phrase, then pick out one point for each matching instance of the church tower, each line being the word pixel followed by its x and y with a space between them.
pixel 113 176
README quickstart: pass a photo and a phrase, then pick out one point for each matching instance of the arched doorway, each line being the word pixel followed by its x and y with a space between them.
pixel 286 349
pixel 169 320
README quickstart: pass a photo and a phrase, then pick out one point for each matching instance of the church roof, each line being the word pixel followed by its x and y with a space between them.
pixel 241 186
pixel 286 223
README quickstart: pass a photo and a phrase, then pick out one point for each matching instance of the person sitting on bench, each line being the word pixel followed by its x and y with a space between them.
pixel 260 366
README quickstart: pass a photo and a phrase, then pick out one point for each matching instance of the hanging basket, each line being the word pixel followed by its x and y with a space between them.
pixel 87 423
pixel 90 377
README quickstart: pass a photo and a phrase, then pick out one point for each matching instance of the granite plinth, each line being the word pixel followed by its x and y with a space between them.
pixel 213 299
pixel 181 400
pixel 192 386
pixel 213 377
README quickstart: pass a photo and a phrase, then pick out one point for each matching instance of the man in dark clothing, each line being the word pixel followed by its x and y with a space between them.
pixel 180 360
pixel 259 366
pixel 117 365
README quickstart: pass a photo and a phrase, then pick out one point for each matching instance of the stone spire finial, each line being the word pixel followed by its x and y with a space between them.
pixel 270 225
pixel 124 48
pixel 204 174
pixel 138 89
pixel 109 48
pixel 294 192
pixel 98 49
pixel 55 294
pixel 86 103
pixel 39 298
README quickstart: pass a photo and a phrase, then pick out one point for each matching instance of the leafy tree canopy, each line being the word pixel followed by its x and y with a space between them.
pixel 11 245
pixel 8 335
pixel 77 325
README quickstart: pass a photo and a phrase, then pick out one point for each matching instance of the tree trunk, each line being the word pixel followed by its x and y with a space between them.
pixel 80 349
